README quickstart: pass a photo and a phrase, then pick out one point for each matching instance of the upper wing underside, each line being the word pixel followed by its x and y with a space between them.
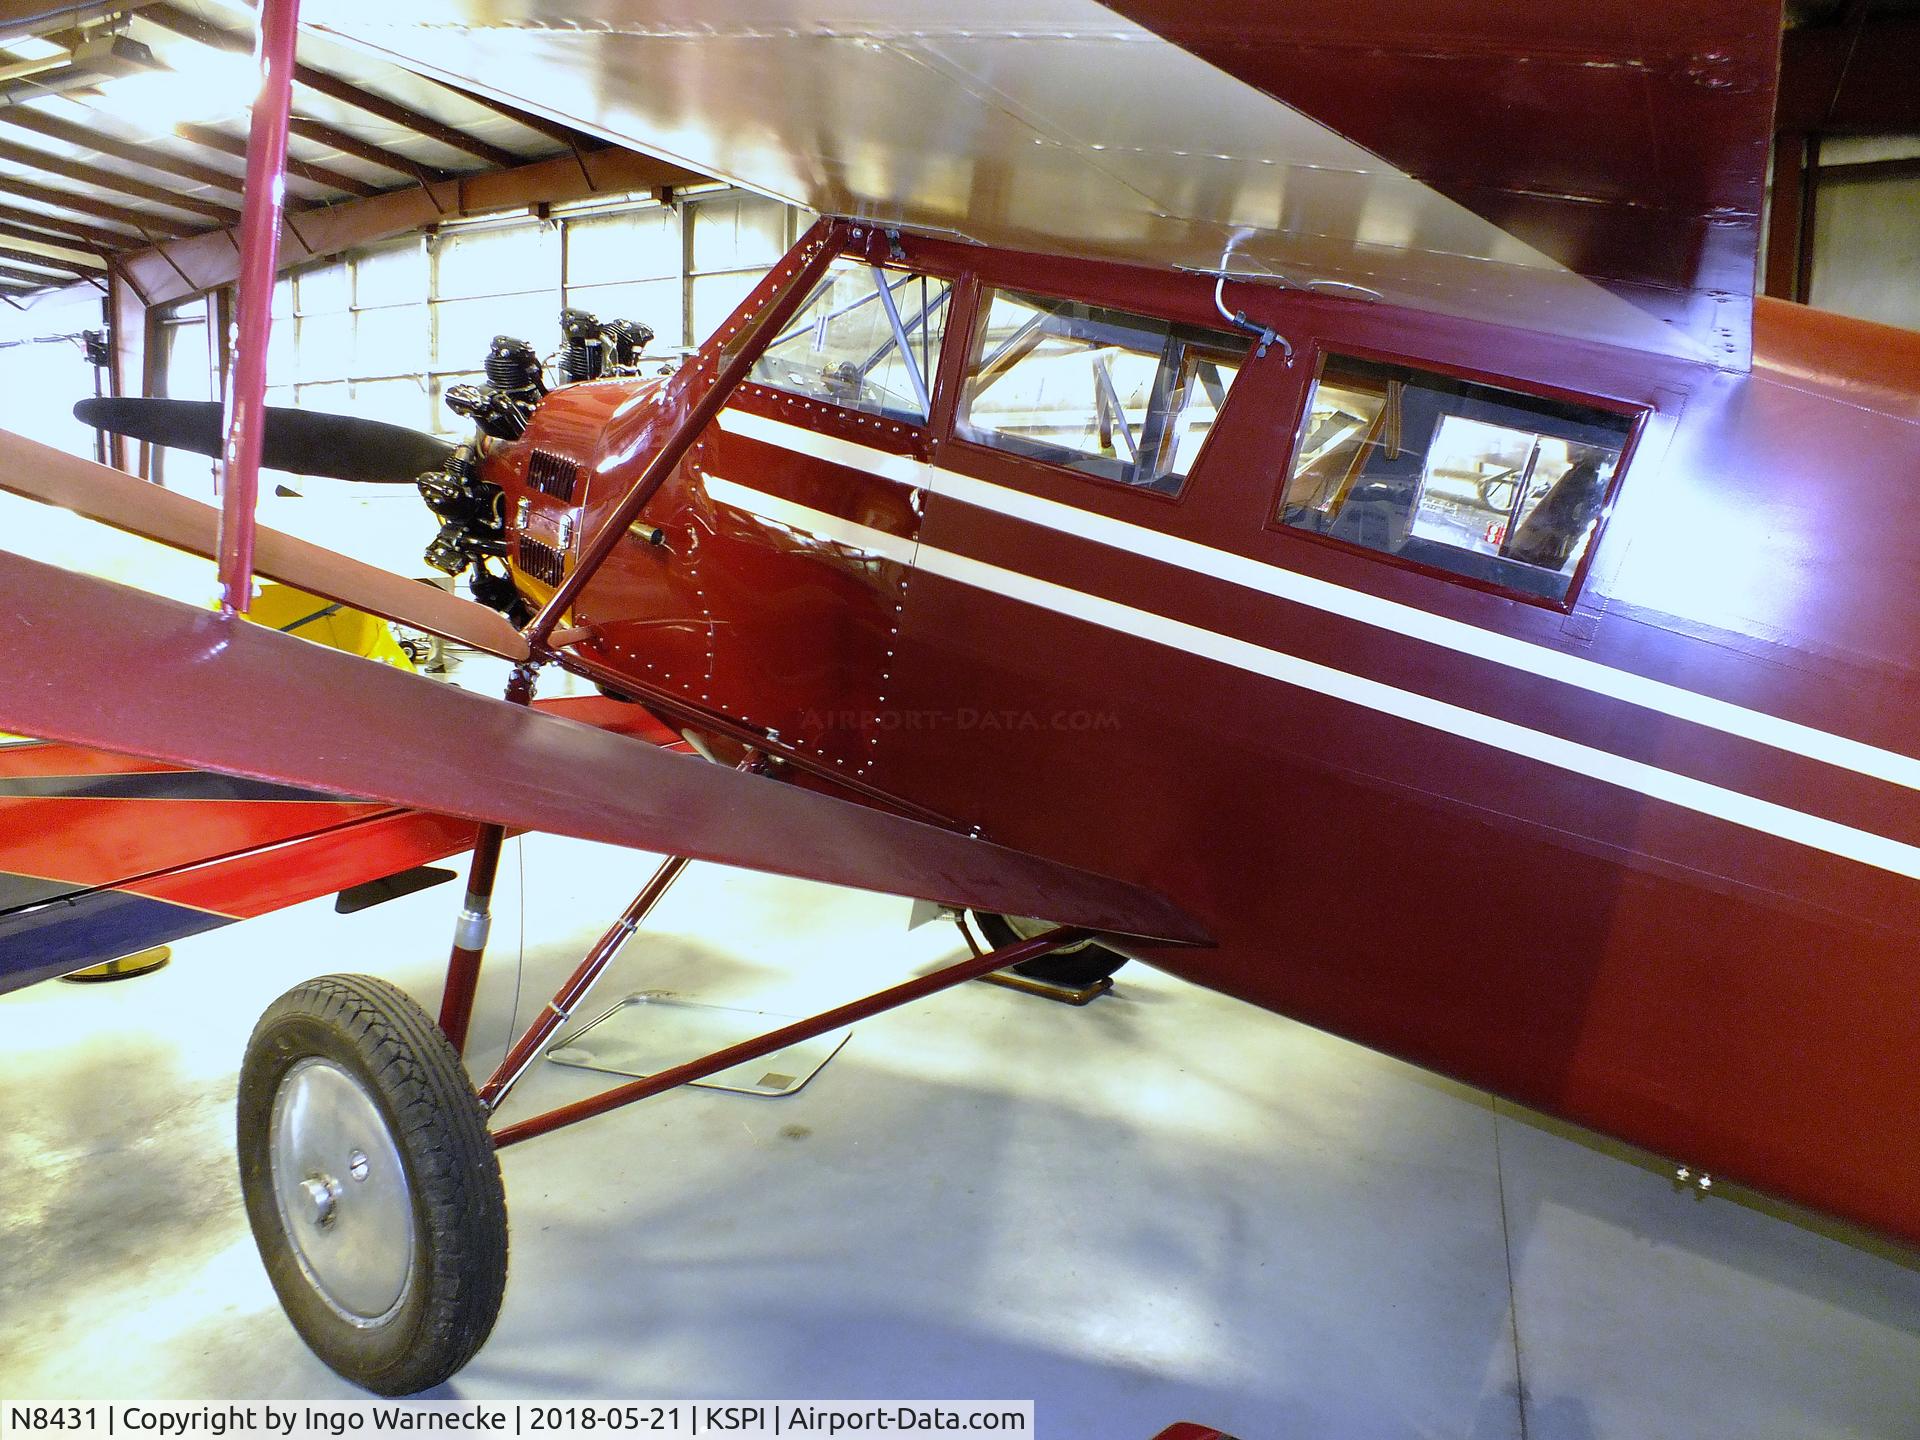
pixel 1592 170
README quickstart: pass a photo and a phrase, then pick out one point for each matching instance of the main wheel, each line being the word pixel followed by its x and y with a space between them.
pixel 373 1191
pixel 1075 967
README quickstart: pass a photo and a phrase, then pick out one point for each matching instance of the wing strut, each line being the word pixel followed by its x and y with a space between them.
pixel 975 967
pixel 260 214
pixel 684 407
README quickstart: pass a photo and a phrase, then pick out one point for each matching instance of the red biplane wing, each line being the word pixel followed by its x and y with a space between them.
pixel 1590 170
pixel 103 855
pixel 172 682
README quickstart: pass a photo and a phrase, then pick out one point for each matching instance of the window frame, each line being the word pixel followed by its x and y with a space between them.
pixel 1323 349
pixel 853 414
pixel 980 306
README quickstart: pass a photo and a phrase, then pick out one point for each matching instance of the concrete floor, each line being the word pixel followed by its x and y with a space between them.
pixel 1165 1206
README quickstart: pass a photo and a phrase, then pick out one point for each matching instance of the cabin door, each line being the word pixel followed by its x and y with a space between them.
pixel 809 506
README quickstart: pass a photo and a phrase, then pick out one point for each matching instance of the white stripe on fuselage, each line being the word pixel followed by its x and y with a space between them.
pixel 1682 790
pixel 808 521
pixel 1358 605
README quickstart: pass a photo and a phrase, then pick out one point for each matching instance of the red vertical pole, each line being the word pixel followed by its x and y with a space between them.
pixel 1785 207
pixel 266 184
pixel 1809 202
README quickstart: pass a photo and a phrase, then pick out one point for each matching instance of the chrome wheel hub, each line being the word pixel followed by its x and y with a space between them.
pixel 341 1190
pixel 323 1193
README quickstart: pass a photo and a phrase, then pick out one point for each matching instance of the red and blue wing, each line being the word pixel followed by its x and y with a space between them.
pixel 102 854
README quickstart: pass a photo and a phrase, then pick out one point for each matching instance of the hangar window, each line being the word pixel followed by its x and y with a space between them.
pixel 868 339
pixel 1476 480
pixel 1124 397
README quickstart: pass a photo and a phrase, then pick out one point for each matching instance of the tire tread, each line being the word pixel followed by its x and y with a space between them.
pixel 441 1130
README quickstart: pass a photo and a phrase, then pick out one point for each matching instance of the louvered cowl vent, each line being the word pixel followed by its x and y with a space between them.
pixel 539 560
pixel 553 475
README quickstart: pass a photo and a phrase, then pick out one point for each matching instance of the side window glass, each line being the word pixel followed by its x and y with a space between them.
pixel 868 339
pixel 1473 479
pixel 1120 396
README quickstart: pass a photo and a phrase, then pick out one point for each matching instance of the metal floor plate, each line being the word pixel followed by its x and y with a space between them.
pixel 648 1032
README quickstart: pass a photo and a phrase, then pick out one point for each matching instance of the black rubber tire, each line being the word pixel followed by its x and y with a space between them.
pixel 376 1032
pixel 1075 970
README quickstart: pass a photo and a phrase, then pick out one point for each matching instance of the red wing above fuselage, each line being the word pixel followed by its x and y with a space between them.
pixel 1591 171
pixel 1626 142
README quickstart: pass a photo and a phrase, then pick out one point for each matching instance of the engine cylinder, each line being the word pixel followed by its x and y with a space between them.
pixel 513 366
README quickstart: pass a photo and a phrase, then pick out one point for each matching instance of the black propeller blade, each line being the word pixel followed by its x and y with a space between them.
pixel 306 442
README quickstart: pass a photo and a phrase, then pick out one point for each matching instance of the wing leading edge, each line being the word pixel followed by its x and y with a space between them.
pixel 168 681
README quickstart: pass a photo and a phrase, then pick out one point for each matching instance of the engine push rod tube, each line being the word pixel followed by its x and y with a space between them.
pixel 918 988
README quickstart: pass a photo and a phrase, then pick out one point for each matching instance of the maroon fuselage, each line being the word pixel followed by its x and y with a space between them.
pixel 1682 913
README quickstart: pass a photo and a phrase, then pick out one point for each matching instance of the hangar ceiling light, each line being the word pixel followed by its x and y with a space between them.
pixel 103 58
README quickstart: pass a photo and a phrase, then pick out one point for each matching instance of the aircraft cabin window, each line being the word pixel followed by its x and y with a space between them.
pixel 1120 396
pixel 868 339
pixel 1473 479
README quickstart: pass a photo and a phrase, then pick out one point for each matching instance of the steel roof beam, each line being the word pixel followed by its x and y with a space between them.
pixel 24 19
pixel 140 220
pixel 58 228
pixel 212 139
pixel 198 263
pixel 332 86
pixel 47 237
pixel 360 149
pixel 539 124
pixel 53 262
pixel 112 181
pixel 38 282
pixel 145 156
